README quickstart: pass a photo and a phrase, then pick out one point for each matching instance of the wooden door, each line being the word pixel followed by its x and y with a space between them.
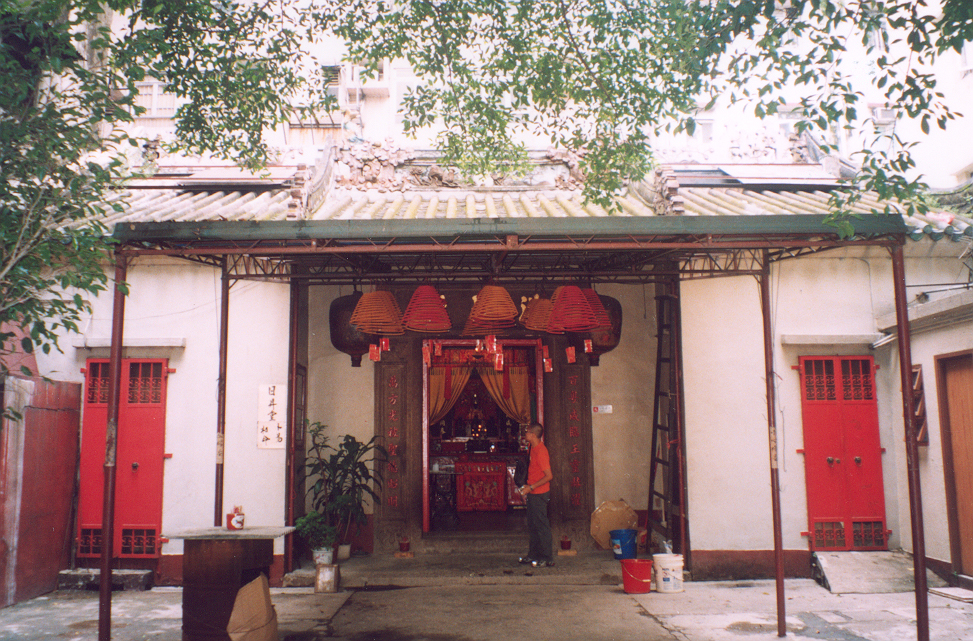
pixel 956 419
pixel 38 468
pixel 842 453
pixel 139 460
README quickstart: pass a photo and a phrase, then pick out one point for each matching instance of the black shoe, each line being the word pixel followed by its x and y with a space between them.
pixel 542 564
pixel 526 560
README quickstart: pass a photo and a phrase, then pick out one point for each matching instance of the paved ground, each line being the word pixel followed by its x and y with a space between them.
pixel 478 597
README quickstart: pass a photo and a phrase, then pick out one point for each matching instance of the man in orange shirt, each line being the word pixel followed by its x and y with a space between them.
pixel 537 493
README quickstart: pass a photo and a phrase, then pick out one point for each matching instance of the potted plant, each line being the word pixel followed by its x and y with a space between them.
pixel 341 477
pixel 320 536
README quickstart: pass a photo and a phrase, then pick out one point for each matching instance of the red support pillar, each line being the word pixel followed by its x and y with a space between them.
pixel 911 444
pixel 772 436
pixel 111 450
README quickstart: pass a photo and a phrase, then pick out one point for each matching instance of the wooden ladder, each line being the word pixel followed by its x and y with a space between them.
pixel 667 518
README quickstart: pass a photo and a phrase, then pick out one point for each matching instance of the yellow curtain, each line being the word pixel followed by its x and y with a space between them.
pixel 514 399
pixel 439 404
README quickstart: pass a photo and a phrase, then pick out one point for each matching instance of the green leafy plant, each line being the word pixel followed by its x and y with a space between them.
pixel 316 531
pixel 341 477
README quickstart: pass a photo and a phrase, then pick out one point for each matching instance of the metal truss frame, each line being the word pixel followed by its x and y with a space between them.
pixel 621 258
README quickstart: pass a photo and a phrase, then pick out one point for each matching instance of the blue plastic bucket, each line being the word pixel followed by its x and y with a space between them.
pixel 624 543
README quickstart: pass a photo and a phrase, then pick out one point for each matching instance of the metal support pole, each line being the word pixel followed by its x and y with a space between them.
pixel 911 444
pixel 111 450
pixel 292 462
pixel 221 392
pixel 772 436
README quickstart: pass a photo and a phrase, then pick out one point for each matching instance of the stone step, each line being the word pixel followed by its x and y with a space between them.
pixel 89 579
pixel 472 542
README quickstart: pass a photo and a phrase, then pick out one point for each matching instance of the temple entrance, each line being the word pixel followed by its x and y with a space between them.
pixel 479 396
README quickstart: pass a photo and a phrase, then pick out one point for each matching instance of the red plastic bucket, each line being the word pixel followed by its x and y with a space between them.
pixel 636 575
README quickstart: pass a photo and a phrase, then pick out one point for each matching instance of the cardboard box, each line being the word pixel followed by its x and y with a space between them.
pixel 253 617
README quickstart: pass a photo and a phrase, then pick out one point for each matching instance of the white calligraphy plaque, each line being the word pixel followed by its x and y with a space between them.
pixel 271 416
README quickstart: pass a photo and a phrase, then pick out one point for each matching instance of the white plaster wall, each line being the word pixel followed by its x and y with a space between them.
pixel 339 395
pixel 625 379
pixel 171 299
pixel 925 275
pixel 254 478
pixel 926 345
pixel 837 294
pixel 728 472
pixel 826 296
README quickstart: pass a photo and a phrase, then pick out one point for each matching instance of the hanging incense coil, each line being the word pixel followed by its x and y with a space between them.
pixel 378 313
pixel 475 327
pixel 597 308
pixel 571 311
pixel 493 310
pixel 426 311
pixel 538 314
pixel 603 339
pixel 525 303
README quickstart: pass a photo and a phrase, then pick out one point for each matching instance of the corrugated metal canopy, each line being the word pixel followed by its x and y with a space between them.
pixel 504 232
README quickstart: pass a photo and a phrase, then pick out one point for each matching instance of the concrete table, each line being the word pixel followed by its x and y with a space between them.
pixel 216 563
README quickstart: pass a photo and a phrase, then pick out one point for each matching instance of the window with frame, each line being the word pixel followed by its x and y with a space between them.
pixel 157 102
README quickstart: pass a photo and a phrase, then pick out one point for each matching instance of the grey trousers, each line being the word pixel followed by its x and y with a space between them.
pixel 539 527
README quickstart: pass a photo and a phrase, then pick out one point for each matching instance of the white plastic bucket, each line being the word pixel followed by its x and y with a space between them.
pixel 668 572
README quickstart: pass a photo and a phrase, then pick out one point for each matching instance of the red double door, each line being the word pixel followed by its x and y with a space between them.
pixel 842 453
pixel 139 460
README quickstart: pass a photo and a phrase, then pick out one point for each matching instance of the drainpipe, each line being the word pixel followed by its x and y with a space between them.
pixel 111 450
pixel 772 436
pixel 911 445
pixel 221 392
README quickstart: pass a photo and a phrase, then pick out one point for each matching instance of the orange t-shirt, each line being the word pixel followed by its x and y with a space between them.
pixel 540 461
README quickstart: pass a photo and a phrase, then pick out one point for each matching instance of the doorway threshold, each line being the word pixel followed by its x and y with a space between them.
pixel 868 572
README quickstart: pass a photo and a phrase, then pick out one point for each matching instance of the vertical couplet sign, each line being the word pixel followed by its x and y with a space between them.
pixel 271 420
pixel 574 414
pixel 392 403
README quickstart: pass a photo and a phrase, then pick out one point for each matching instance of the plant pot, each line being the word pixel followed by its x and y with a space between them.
pixel 323 556
pixel 344 551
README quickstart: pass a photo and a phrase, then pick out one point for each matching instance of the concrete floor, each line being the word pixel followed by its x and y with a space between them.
pixel 488 597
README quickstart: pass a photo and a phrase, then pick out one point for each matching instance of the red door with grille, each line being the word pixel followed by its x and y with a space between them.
pixel 140 457
pixel 842 453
